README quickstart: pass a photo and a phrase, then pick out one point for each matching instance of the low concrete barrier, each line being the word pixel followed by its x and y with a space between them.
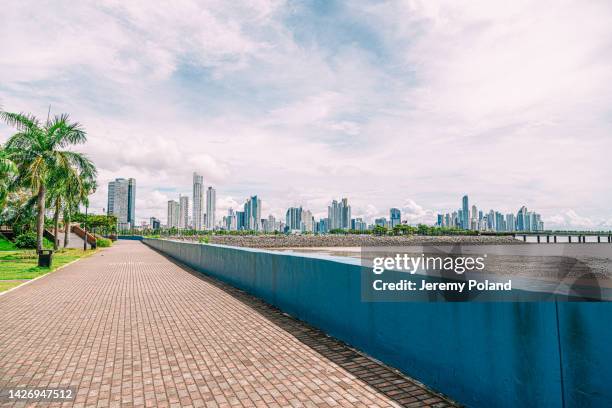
pixel 130 237
pixel 549 354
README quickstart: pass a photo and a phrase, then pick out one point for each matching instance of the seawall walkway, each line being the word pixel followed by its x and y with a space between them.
pixel 129 327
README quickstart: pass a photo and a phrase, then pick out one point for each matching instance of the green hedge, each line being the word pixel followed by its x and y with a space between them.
pixel 103 242
pixel 26 241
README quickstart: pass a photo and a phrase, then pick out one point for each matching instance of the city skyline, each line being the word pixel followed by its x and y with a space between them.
pixel 472 218
pixel 268 98
pixel 121 193
pixel 298 219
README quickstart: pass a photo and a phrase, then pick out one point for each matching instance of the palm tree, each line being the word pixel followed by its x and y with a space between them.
pixel 77 192
pixel 8 170
pixel 39 152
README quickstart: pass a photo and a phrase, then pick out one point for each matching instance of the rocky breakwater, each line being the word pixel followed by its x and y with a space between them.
pixel 309 241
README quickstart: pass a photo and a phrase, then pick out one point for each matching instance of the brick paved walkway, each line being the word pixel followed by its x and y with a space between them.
pixel 128 327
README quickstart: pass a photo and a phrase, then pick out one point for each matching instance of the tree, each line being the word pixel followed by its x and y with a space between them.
pixel 8 170
pixel 67 190
pixel 380 230
pixel 39 150
pixel 78 190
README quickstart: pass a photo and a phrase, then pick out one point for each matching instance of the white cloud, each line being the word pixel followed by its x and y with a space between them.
pixel 426 99
pixel 416 214
pixel 570 219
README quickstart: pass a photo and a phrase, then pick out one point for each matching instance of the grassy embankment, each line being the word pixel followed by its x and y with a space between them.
pixel 20 265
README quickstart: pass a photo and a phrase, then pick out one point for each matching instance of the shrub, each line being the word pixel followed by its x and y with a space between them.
pixel 26 241
pixel 103 242
pixel 204 240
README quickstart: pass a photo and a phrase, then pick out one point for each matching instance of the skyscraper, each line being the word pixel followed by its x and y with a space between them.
pixel 521 218
pixel 510 222
pixel 183 221
pixel 357 224
pixel 307 221
pixel 334 215
pixel 198 185
pixel 465 221
pixel 346 214
pixel 293 218
pixel 230 220
pixel 395 217
pixel 211 207
pixel 269 224
pixel 122 201
pixel 240 220
pixel 252 213
pixel 339 215
pixel 173 214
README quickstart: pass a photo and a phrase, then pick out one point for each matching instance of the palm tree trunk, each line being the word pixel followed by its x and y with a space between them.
pixel 40 218
pixel 56 224
pixel 67 227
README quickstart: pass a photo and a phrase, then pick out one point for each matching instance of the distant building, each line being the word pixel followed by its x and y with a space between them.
pixel 495 221
pixel 381 222
pixel 122 202
pixel 211 208
pixel 322 226
pixel 252 213
pixel 173 214
pixel 241 220
pixel 395 217
pixel 465 220
pixel 307 221
pixel 357 224
pixel 183 221
pixel 154 223
pixel 339 215
pixel 229 221
pixel 269 224
pixel 198 197
pixel 293 218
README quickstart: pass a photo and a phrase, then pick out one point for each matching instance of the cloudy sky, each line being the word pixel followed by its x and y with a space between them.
pixel 390 103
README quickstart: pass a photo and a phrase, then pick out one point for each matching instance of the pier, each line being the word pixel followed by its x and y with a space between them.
pixel 556 238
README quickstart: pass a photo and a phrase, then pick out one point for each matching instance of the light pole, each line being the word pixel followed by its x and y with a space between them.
pixel 93 190
pixel 85 228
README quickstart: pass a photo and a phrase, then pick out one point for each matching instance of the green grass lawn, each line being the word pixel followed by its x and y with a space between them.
pixel 6 245
pixel 22 264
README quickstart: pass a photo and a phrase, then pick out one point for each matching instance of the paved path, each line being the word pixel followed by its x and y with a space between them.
pixel 128 327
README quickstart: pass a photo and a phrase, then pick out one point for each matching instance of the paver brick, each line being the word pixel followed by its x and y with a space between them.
pixel 130 327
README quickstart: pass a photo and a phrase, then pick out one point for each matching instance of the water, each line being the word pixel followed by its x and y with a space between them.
pixel 544 261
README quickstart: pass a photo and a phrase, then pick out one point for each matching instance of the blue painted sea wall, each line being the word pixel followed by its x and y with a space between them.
pixel 130 237
pixel 482 354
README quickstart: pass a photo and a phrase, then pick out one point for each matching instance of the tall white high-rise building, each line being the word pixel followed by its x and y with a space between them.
pixel 122 201
pixel 307 222
pixel 269 224
pixel 198 198
pixel 183 221
pixel 173 214
pixel 211 206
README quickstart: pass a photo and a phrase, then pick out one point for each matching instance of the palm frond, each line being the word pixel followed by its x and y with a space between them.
pixel 21 121
pixel 62 133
